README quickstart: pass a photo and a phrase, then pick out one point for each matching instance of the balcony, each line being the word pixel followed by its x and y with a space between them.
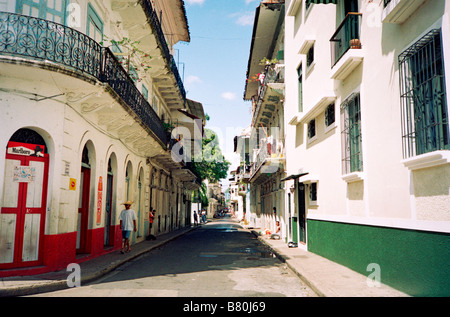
pixel 153 17
pixel 267 159
pixel 346 49
pixel 50 43
pixel 270 92
pixel 398 11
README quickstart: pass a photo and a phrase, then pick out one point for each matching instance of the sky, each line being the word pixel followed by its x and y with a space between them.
pixel 214 65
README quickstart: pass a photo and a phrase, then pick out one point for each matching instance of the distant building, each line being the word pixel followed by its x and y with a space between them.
pixel 264 165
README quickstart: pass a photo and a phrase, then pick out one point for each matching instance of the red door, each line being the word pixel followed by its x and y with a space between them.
pixel 22 217
pixel 83 210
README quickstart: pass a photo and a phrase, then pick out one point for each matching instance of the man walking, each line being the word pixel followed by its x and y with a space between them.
pixel 127 223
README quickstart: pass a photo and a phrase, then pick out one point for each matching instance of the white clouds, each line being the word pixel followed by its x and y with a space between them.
pixel 243 18
pixel 199 1
pixel 192 80
pixel 228 95
pixel 246 19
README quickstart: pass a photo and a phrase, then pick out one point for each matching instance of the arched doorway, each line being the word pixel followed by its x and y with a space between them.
pixel 110 201
pixel 84 202
pixel 140 202
pixel 22 217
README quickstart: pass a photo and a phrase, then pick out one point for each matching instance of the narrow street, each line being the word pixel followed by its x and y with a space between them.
pixel 219 259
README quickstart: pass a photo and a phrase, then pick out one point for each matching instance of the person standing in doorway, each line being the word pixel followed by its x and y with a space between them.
pixel 127 224
pixel 195 218
pixel 151 217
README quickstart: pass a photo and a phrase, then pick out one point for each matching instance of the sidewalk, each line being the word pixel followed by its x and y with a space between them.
pixel 325 277
pixel 90 270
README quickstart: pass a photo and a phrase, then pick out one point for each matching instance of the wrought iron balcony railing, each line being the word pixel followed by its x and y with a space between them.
pixel 40 39
pixel 162 40
pixel 270 150
pixel 120 81
pixel 272 74
pixel 347 36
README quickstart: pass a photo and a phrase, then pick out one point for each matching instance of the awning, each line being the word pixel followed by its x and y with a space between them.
pixel 293 177
pixel 322 1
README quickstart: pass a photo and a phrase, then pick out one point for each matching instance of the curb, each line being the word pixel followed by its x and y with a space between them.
pixel 285 259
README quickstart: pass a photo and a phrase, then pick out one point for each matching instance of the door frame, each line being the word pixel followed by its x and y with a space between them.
pixel 85 188
pixel 21 211
pixel 301 212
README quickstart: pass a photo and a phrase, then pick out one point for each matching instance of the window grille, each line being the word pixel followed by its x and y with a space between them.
pixel 313 192
pixel 424 109
pixel 351 135
pixel 300 89
pixel 329 115
pixel 311 129
pixel 310 57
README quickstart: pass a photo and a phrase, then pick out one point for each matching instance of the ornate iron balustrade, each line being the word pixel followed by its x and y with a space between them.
pixel 347 36
pixel 40 39
pixel 270 150
pixel 116 76
pixel 272 74
pixel 162 40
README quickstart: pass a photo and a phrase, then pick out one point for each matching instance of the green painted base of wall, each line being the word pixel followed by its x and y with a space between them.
pixel 414 262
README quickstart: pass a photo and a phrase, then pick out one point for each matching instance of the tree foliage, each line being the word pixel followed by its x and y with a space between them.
pixel 211 164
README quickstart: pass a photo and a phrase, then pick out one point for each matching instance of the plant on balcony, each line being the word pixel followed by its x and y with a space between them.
pixel 355 43
pixel 257 77
pixel 168 127
pixel 268 62
pixel 129 50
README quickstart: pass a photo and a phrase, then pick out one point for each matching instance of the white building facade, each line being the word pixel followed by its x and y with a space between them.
pixel 264 169
pixel 367 136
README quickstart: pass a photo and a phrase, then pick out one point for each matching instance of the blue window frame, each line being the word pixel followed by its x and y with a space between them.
pixel 51 10
pixel 94 28
pixel 145 92
pixel 352 160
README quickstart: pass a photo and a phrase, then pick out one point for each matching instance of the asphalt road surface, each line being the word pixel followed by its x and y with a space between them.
pixel 218 259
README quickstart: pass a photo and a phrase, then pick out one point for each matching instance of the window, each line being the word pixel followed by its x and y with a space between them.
pixel 313 194
pixel 329 115
pixel 51 10
pixel 145 92
pixel 300 89
pixel 423 97
pixel 312 129
pixel 94 25
pixel 155 106
pixel 307 4
pixel 351 135
pixel 133 74
pixel 310 57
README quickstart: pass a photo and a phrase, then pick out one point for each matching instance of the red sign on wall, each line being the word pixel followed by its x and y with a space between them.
pixel 99 200
pixel 26 149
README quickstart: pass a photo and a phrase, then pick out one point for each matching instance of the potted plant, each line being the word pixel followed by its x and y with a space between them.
pixel 355 43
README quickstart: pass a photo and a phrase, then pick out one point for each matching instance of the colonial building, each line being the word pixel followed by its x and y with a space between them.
pixel 367 136
pixel 87 88
pixel 265 89
pixel 239 183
